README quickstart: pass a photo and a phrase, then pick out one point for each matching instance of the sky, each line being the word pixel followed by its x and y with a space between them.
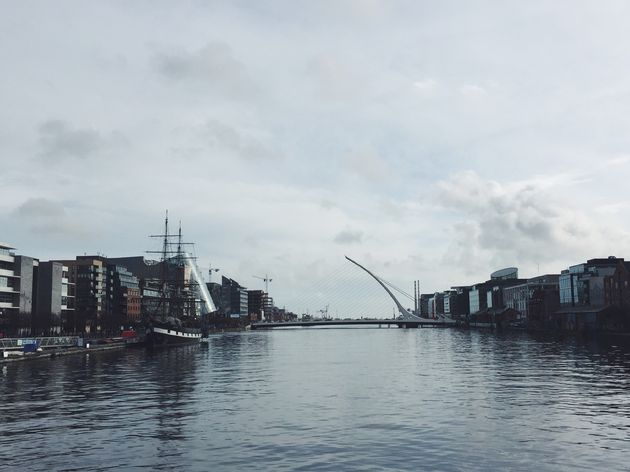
pixel 433 141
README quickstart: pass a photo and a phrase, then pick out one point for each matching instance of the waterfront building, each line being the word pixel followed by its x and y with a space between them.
pixel 214 289
pixel 454 306
pixel 267 307
pixel 447 296
pixel 534 300
pixel 459 302
pixel 595 296
pixel 477 297
pixel 255 303
pixel 431 307
pixel 35 297
pixel 438 303
pixel 17 291
pixel 124 300
pixel 499 281
pixel 488 295
pixel 509 273
pixel 278 314
pixel 148 274
pixel 424 304
pixel 234 298
pixel 495 295
pixel 53 310
pixel 89 274
pixel 9 289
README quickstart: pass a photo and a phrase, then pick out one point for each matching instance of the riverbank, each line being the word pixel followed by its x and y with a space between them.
pixel 12 355
pixel 53 353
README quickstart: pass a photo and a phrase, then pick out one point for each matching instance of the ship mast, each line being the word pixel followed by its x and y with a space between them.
pixel 180 276
pixel 164 271
pixel 177 295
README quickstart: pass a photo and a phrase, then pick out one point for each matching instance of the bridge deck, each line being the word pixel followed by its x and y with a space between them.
pixel 399 323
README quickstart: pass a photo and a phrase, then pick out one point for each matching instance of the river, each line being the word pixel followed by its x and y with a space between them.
pixel 325 399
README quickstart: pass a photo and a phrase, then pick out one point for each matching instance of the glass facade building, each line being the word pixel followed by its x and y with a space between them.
pixel 473 297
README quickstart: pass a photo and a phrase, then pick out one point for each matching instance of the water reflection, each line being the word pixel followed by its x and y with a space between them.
pixel 325 400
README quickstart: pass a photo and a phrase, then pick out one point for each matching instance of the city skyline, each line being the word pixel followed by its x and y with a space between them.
pixel 434 143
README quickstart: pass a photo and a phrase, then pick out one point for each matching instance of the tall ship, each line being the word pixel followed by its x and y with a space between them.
pixel 180 297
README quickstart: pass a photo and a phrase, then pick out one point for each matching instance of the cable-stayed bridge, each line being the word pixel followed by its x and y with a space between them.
pixel 406 319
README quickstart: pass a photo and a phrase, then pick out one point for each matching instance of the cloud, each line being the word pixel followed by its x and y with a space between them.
pixel 59 140
pixel 618 161
pixel 473 91
pixel 335 80
pixel 243 144
pixel 613 208
pixel 370 103
pixel 367 164
pixel 214 66
pixel 499 224
pixel 49 217
pixel 426 87
pixel 349 237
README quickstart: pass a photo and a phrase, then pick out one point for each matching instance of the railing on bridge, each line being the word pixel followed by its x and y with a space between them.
pixel 43 342
pixel 400 322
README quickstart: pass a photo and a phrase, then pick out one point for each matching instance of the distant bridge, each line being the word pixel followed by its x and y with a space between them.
pixel 400 323
pixel 405 320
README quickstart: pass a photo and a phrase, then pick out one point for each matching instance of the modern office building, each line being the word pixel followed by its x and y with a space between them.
pixel 214 289
pixel 424 304
pixel 595 296
pixel 488 295
pixel 148 274
pixel 234 298
pixel 431 311
pixel 268 307
pixel 18 291
pixel 459 302
pixel 456 302
pixel 478 297
pixel 36 298
pixel 535 300
pixel 9 290
pixel 53 310
pixel 255 303
pixel 124 298
pixel 89 274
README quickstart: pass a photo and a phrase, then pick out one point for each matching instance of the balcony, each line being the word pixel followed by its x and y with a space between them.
pixel 8 273
pixel 7 258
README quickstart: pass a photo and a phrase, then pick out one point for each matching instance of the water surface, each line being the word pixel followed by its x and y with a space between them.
pixel 324 399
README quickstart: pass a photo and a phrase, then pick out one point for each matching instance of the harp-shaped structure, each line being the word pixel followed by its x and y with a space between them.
pixel 403 311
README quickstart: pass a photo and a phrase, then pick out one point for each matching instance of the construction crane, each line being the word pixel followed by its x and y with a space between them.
pixel 324 313
pixel 266 279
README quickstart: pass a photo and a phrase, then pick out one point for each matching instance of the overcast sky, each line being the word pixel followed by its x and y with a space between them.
pixel 436 140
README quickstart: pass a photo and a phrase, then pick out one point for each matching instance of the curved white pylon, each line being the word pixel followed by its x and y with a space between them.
pixel 404 312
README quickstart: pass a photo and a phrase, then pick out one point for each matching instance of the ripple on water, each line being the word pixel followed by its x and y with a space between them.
pixel 362 399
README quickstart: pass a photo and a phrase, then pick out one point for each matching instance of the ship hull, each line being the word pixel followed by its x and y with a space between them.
pixel 158 337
